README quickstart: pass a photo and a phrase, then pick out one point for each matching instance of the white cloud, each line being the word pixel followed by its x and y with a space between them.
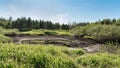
pixel 62 18
pixel 35 12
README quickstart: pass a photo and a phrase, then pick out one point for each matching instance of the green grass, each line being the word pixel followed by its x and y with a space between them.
pixel 63 32
pixel 4 39
pixel 49 56
pixel 39 56
pixel 42 31
pixel 10 31
pixel 39 31
pixel 99 60
pixel 33 32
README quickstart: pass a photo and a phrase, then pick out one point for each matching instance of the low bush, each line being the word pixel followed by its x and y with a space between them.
pixel 50 33
pixel 99 60
pixel 111 47
pixel 98 32
pixel 74 52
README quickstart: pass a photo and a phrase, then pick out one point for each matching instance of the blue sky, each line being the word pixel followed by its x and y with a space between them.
pixel 62 11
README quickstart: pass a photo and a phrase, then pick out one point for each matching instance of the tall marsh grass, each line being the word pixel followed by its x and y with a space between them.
pixel 39 56
pixel 99 60
pixel 42 56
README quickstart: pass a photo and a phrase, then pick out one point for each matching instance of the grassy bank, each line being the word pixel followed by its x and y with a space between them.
pixel 37 32
pixel 4 39
pixel 44 31
pixel 99 60
pixel 42 56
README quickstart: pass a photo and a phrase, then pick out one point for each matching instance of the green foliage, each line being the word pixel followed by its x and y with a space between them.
pixel 78 31
pixel 74 52
pixel 4 39
pixel 42 56
pixel 4 22
pixel 100 60
pixel 1 30
pixel 44 31
pixel 106 21
pixel 39 56
pixel 65 27
pixel 10 31
pixel 57 25
pixel 118 22
pixel 35 32
pixel 79 52
pixel 50 33
pixel 99 32
pixel 24 24
pixel 63 32
pixel 111 47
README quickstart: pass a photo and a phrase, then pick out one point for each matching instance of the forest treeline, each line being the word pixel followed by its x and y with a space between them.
pixel 24 24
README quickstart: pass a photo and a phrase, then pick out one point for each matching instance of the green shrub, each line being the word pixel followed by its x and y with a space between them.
pixel 78 31
pixel 99 32
pixel 111 47
pixel 79 52
pixel 74 52
pixel 100 60
pixel 50 33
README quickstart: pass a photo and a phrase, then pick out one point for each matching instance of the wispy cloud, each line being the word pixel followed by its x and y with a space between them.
pixel 62 18
pixel 61 10
pixel 48 12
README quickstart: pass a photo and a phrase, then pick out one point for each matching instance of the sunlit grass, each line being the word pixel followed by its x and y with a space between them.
pixel 36 56
pixel 38 31
pixel 52 56
pixel 4 39
pixel 42 31
pixel 99 60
